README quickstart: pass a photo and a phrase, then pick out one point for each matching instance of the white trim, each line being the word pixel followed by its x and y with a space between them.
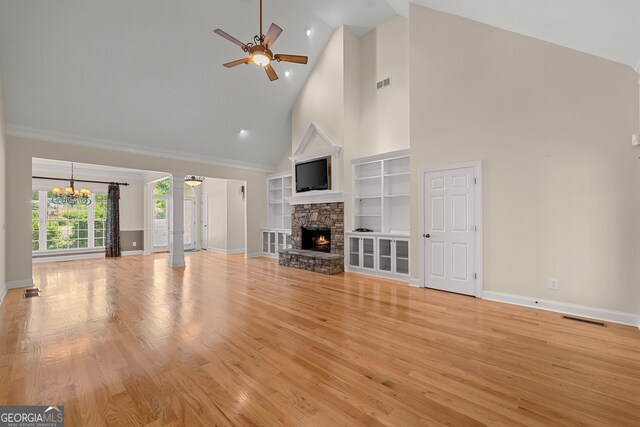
pixel 383 156
pixel 329 152
pixel 477 165
pixel 308 135
pixel 565 308
pixel 311 197
pixel 16 284
pixel 3 292
pixel 103 144
pixel 226 251
pixel 68 257
pixel 132 253
pixel 415 282
pixel 254 255
pixel 637 67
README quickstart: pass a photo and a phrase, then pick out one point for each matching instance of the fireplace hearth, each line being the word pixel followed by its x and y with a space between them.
pixel 316 239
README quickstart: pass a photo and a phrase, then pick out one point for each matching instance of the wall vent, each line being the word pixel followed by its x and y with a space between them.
pixel 589 321
pixel 383 83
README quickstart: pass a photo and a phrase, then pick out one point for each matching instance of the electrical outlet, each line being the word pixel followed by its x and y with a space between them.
pixel 554 284
pixel 135 244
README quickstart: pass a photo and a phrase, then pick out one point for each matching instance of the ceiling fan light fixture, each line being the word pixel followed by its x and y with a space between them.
pixel 261 59
pixel 193 180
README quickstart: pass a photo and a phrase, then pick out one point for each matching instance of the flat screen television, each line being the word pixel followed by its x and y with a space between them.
pixel 312 175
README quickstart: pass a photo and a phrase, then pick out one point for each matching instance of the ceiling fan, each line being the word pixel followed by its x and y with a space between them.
pixel 260 50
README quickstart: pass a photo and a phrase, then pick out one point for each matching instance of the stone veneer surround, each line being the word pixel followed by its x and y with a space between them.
pixel 322 215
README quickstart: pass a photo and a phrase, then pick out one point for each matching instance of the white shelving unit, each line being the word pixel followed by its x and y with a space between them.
pixel 381 192
pixel 277 235
pixel 381 203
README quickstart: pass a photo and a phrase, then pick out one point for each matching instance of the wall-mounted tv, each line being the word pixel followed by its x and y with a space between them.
pixel 312 175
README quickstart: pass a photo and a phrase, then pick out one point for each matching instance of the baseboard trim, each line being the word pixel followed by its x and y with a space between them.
pixel 70 257
pixel 3 292
pixel 131 253
pixel 225 251
pixel 416 283
pixel 565 308
pixel 16 284
pixel 254 255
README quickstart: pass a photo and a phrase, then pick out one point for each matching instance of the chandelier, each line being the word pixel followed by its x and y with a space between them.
pixel 193 180
pixel 70 196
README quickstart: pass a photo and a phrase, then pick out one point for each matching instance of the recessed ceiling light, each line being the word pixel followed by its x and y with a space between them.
pixel 308 32
pixel 287 73
pixel 243 132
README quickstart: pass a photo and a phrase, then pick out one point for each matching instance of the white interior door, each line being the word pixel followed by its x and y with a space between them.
pixel 189 222
pixel 449 237
pixel 204 222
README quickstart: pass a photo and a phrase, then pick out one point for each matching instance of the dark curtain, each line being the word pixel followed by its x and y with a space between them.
pixel 112 240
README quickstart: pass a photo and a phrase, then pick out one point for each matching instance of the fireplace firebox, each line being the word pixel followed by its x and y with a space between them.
pixel 316 239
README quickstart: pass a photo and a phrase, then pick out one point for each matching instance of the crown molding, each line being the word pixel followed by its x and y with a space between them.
pixel 103 144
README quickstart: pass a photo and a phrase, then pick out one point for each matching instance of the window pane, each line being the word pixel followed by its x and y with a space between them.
pixel 163 187
pixel 160 211
pixel 35 246
pixel 99 243
pixel 83 243
pixel 35 195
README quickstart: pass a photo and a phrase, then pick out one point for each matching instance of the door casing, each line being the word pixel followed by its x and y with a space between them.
pixel 478 219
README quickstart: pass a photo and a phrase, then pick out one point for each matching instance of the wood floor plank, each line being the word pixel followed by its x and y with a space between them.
pixel 230 341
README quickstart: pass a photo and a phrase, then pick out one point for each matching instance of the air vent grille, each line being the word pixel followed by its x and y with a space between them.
pixel 589 321
pixel 383 83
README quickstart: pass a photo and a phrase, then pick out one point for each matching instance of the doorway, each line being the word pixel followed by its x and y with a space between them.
pixel 451 249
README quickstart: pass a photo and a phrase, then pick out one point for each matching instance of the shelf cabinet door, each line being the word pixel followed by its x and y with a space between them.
pixel 401 257
pixel 368 245
pixel 265 242
pixel 385 254
pixel 354 252
pixel 272 242
pixel 284 240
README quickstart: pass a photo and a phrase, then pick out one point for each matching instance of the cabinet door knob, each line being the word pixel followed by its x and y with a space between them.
pixel 426 236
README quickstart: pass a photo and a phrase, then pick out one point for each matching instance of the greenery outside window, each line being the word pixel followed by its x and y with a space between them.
pixel 64 227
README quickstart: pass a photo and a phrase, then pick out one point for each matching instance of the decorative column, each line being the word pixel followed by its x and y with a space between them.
pixel 176 215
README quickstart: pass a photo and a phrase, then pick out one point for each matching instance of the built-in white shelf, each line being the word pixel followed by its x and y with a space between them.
pixel 382 192
pixel 279 210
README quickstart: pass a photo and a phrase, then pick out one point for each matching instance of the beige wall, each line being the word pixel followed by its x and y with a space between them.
pixel 321 99
pixel 3 193
pixel 552 127
pixel 384 114
pixel 235 216
pixel 19 155
pixel 226 208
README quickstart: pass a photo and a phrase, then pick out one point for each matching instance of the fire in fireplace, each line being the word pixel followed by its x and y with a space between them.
pixel 316 239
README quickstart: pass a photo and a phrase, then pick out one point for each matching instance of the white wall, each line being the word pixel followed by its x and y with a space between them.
pixel 552 127
pixel 20 152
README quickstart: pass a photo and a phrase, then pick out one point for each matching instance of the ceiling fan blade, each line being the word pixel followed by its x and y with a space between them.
pixel 272 35
pixel 271 72
pixel 298 59
pixel 232 39
pixel 238 62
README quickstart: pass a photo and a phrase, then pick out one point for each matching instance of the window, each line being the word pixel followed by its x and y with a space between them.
pixel 35 220
pixel 100 219
pixel 63 227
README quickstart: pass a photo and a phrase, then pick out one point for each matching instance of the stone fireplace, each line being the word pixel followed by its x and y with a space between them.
pixel 317 238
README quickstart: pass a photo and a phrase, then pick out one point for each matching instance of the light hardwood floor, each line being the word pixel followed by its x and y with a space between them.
pixel 228 341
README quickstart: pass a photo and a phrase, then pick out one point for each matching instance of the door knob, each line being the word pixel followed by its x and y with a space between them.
pixel 426 236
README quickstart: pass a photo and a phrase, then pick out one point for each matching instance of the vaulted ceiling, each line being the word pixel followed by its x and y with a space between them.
pixel 146 74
